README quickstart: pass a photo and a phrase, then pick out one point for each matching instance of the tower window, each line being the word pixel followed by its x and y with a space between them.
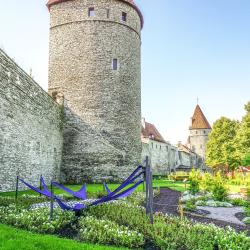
pixel 108 13
pixel 91 12
pixel 124 16
pixel 115 64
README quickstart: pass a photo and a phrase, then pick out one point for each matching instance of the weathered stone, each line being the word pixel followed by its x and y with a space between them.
pixel 30 128
pixel 102 105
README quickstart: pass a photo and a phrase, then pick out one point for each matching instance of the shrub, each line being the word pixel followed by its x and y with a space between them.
pixel 108 232
pixel 207 182
pixel 35 220
pixel 194 181
pixel 219 188
pixel 238 202
pixel 190 205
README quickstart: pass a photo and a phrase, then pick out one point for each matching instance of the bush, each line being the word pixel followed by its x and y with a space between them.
pixel 170 232
pixel 238 202
pixel 190 205
pixel 35 220
pixel 108 232
pixel 194 181
pixel 219 188
pixel 23 201
pixel 207 182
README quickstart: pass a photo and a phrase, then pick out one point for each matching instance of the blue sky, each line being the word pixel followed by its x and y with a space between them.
pixel 190 49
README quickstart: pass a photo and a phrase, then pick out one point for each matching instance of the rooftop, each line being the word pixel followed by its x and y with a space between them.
pixel 199 121
pixel 151 132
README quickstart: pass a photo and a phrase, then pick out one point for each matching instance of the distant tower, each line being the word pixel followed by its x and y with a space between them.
pixel 95 63
pixel 199 131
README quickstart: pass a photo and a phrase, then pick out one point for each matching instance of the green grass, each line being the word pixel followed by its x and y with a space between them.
pixel 11 238
pixel 95 188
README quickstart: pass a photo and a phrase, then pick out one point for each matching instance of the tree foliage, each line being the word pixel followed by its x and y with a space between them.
pixel 243 137
pixel 222 146
pixel 229 142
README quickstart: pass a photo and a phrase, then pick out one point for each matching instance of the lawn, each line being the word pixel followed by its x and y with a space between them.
pixel 12 238
pixel 96 188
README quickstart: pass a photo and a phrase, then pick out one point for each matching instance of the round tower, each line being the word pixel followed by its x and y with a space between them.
pixel 199 131
pixel 95 63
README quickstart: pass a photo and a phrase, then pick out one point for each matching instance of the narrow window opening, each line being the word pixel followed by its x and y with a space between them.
pixel 124 16
pixel 91 12
pixel 115 64
pixel 108 13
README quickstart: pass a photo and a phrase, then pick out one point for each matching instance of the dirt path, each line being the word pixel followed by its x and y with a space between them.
pixel 167 203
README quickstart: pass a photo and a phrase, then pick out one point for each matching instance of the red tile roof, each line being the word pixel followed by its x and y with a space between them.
pixel 199 121
pixel 130 2
pixel 151 132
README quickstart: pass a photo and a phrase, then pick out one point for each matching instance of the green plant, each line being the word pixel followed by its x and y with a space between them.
pixel 35 220
pixel 219 188
pixel 108 232
pixel 207 182
pixel 194 181
pixel 238 202
pixel 190 205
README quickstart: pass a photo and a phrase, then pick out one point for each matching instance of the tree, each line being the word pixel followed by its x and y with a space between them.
pixel 222 146
pixel 243 137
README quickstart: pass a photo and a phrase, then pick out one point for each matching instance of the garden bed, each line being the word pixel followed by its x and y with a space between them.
pixel 167 203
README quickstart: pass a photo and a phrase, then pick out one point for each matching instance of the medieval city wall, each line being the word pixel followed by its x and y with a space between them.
pixel 164 157
pixel 30 128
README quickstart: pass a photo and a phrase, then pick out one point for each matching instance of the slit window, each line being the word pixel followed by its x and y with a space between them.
pixel 91 12
pixel 108 13
pixel 115 64
pixel 124 16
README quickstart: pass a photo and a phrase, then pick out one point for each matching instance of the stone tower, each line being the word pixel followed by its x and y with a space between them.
pixel 95 64
pixel 199 131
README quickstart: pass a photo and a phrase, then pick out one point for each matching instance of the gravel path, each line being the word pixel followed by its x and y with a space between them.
pixel 167 203
pixel 223 213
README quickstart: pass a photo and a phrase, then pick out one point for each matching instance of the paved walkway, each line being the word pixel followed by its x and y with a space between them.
pixel 224 213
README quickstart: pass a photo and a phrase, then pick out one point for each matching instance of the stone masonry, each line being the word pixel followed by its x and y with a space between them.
pixel 102 105
pixel 30 128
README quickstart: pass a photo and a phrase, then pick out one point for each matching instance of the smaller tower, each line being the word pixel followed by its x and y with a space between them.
pixel 199 131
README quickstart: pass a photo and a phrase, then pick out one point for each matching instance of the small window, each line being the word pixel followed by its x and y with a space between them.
pixel 115 64
pixel 196 132
pixel 160 147
pixel 124 16
pixel 156 145
pixel 108 13
pixel 91 11
pixel 152 145
pixel 204 132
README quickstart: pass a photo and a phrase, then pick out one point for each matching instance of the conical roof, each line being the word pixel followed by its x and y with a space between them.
pixel 130 2
pixel 199 121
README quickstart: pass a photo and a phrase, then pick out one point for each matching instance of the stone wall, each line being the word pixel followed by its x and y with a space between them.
pixel 102 105
pixel 164 157
pixel 198 141
pixel 30 128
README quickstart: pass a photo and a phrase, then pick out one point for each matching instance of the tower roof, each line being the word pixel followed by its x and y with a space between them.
pixel 199 121
pixel 130 2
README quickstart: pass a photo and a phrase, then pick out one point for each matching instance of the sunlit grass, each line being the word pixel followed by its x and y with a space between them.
pixel 11 238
